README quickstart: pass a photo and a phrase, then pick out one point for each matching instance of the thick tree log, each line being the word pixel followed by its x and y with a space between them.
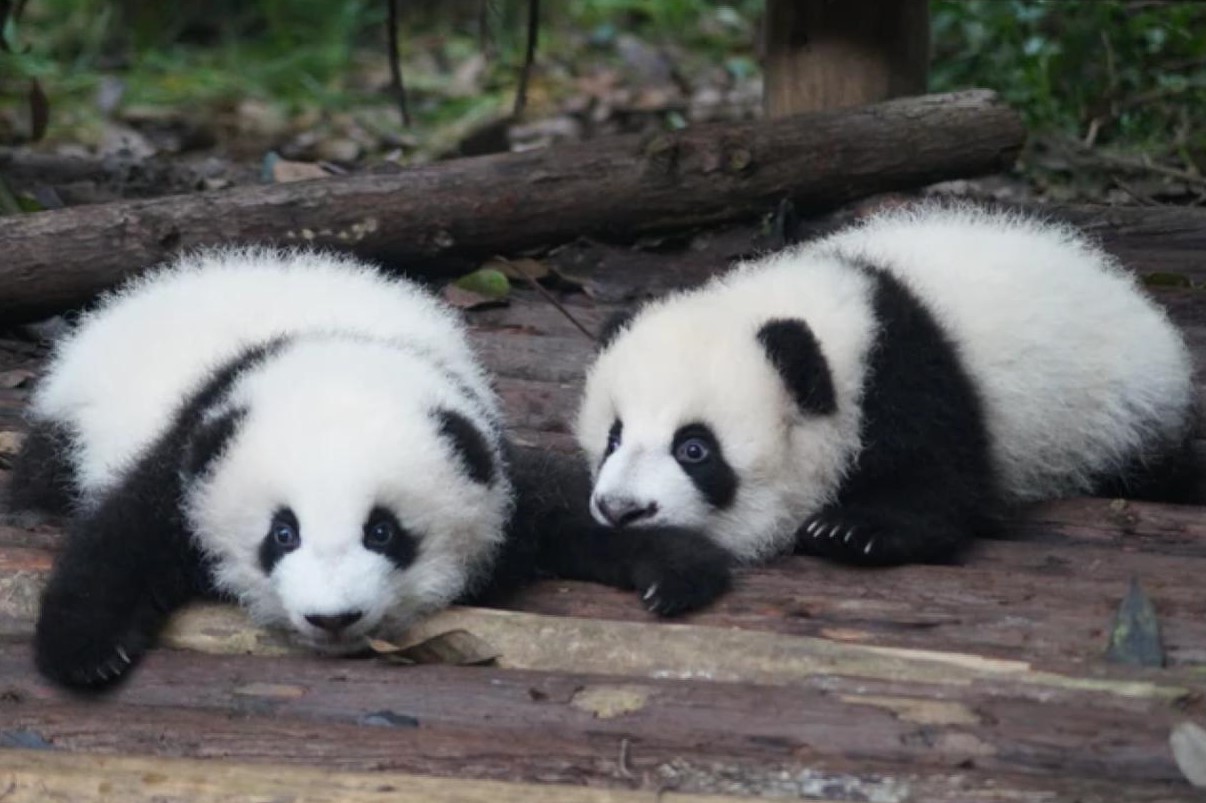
pixel 826 55
pixel 621 187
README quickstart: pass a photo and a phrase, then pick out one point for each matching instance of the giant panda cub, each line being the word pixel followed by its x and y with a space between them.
pixel 300 433
pixel 876 395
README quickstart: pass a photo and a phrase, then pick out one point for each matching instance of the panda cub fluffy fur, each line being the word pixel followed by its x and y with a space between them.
pixel 876 395
pixel 299 433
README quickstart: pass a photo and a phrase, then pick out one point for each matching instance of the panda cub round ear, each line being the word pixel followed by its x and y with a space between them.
pixel 207 443
pixel 468 443
pixel 793 350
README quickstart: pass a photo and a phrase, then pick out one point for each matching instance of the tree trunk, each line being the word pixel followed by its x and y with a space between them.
pixel 428 218
pixel 822 54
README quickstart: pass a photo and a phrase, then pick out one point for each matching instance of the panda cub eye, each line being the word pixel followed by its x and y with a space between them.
pixel 284 536
pixel 379 532
pixel 693 450
pixel 613 437
pixel 284 531
pixel 386 536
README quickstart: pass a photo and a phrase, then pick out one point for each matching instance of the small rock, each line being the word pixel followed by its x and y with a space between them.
pixel 340 149
pixel 109 93
pixel 261 119
pixel 120 140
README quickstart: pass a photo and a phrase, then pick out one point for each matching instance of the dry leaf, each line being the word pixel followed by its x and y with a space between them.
pixel 455 647
pixel 1189 749
pixel 15 378
pixel 285 171
pixel 10 442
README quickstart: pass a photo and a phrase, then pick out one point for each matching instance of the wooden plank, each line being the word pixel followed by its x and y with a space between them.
pixel 44 776
pixel 568 727
pixel 1049 598
pixel 598 761
pixel 1168 239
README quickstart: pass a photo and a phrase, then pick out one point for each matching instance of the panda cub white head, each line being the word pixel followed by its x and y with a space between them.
pixel 349 506
pixel 686 419
pixel 291 429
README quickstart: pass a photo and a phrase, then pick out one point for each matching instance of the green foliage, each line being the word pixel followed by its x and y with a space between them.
pixel 1134 71
pixel 696 23
pixel 1136 68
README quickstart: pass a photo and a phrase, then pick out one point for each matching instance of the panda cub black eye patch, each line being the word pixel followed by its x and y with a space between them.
pixel 384 534
pixel 613 437
pixel 698 453
pixel 283 536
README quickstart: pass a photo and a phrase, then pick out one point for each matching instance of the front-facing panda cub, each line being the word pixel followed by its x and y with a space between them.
pixel 300 433
pixel 875 395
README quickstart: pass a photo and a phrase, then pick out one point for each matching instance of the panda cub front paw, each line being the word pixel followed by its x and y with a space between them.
pixel 876 536
pixel 86 646
pixel 680 571
pixel 845 536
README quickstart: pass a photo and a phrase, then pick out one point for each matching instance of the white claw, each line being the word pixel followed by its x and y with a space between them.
pixel 650 592
pixel 867 550
pixel 849 534
pixel 122 655
pixel 833 530
pixel 812 528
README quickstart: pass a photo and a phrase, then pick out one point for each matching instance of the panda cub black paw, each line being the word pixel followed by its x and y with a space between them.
pixel 680 571
pixel 86 645
pixel 870 537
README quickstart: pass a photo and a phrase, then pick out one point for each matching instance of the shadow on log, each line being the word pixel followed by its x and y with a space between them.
pixel 431 219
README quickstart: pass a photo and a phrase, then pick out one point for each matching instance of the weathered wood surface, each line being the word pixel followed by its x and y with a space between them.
pixel 43 777
pixel 622 187
pixel 983 681
pixel 1153 238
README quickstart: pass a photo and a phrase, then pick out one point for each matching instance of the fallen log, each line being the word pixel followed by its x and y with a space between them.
pixel 431 218
pixel 1149 239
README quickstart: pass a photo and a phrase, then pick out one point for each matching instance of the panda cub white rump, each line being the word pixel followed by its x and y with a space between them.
pixel 876 395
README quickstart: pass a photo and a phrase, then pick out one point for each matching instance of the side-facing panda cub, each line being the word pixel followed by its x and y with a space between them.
pixel 875 395
pixel 300 433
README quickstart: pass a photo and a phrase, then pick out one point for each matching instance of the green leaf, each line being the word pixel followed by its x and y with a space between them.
pixel 488 282
pixel 1135 636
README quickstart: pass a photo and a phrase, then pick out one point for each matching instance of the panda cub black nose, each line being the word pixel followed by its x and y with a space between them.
pixel 622 512
pixel 335 623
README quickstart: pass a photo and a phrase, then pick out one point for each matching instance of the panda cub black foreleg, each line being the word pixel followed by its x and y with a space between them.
pixel 673 569
pixel 43 477
pixel 125 567
pixel 923 484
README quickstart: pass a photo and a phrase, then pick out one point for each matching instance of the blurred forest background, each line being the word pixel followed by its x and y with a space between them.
pixel 1114 92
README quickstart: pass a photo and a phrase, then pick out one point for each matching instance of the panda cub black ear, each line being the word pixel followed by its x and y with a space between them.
pixel 612 327
pixel 209 439
pixel 793 349
pixel 469 443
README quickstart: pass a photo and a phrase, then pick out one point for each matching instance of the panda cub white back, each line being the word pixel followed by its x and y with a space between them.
pixel 873 396
pixel 292 429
